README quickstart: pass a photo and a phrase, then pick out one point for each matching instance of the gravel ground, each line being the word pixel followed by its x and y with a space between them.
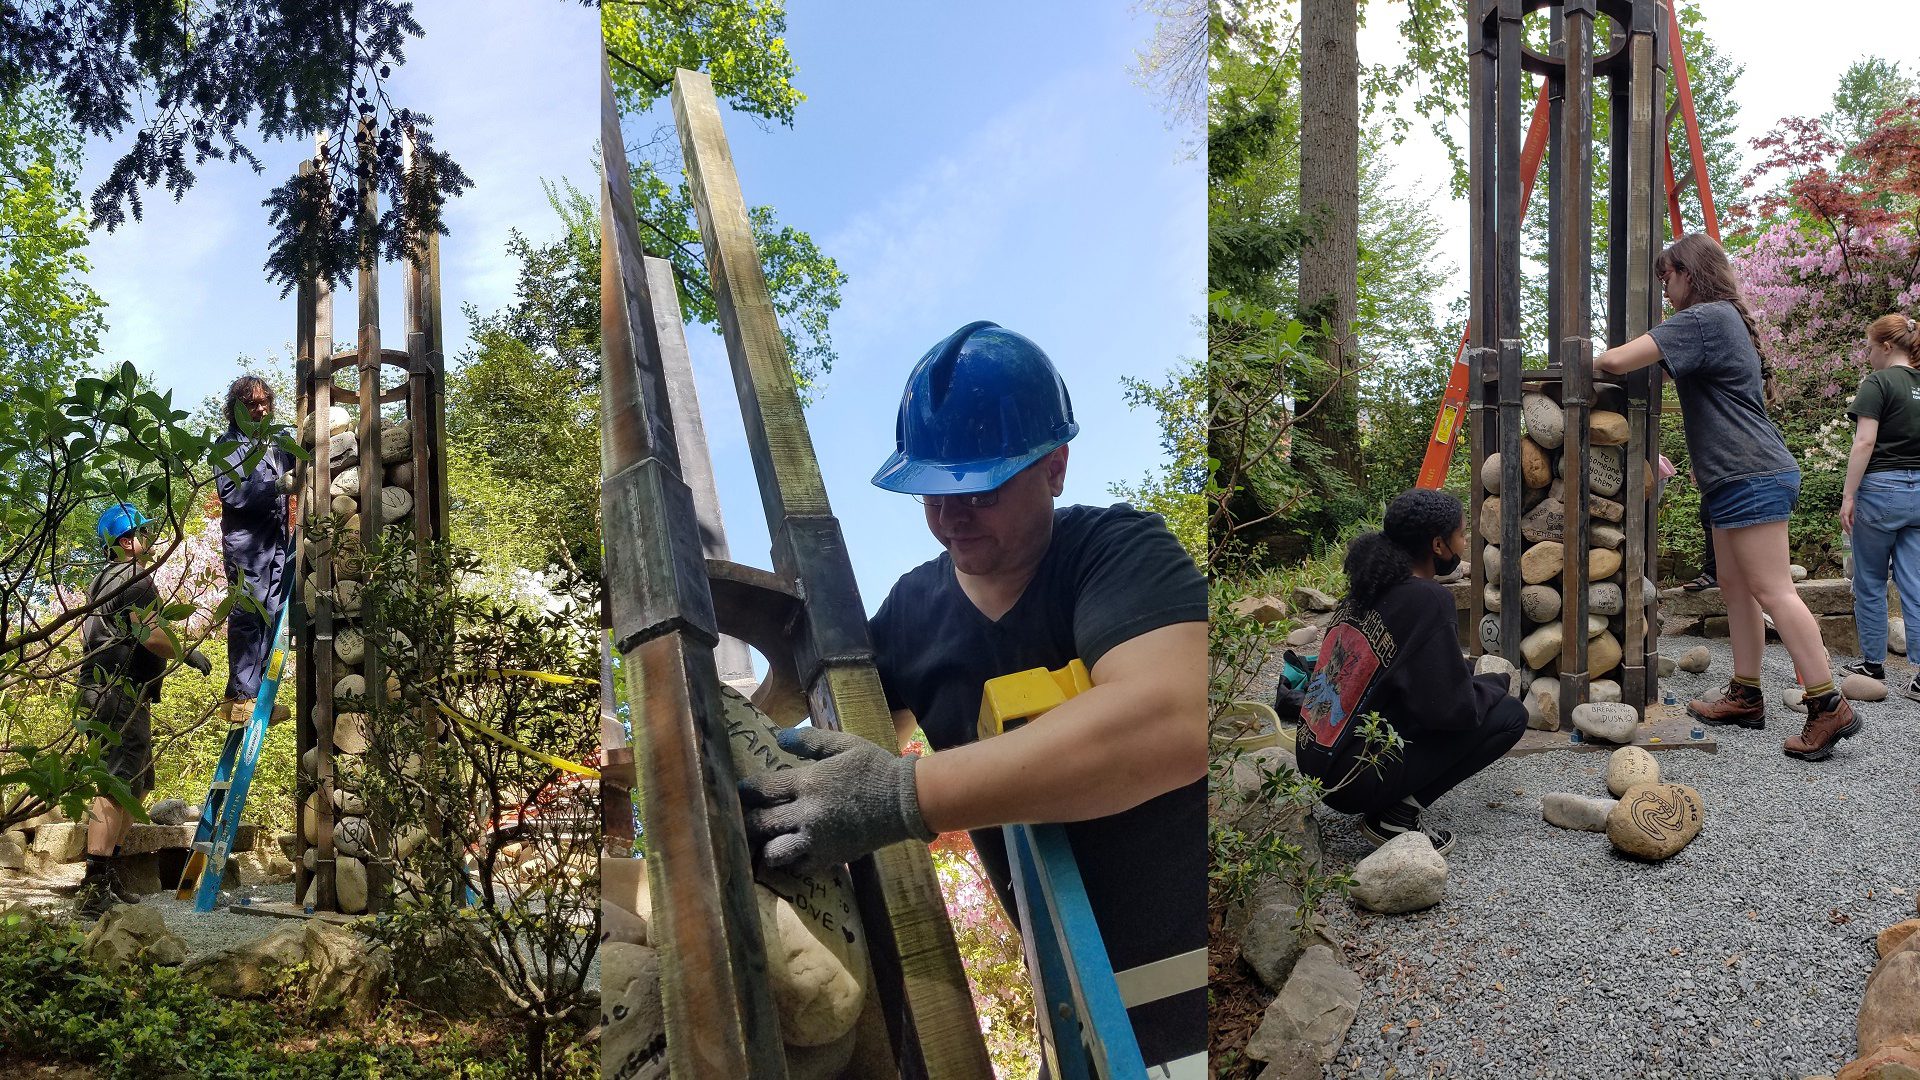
pixel 1743 956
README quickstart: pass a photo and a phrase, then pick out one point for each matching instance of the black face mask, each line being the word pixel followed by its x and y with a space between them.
pixel 1445 567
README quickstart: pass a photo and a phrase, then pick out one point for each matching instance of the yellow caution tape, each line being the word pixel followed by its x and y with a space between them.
pixel 506 740
pixel 500 673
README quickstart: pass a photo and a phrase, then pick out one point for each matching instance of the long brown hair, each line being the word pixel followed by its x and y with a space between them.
pixel 1704 261
pixel 1899 331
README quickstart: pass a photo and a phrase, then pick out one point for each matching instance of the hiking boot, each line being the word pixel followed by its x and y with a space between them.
pixel 101 890
pixel 1866 667
pixel 1737 704
pixel 1826 726
pixel 1380 829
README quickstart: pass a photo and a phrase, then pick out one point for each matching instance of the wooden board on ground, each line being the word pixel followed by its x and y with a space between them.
pixel 1666 727
pixel 285 909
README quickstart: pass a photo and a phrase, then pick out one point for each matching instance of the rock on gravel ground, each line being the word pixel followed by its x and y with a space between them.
pixel 1745 955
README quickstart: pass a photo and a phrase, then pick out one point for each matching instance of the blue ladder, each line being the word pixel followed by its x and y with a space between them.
pixel 219 824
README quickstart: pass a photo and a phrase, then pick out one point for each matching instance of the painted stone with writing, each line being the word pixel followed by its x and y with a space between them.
pixel 1490 633
pixel 1547 521
pixel 1610 721
pixel 1605 599
pixel 1546 421
pixel 1654 821
pixel 1605 509
pixel 1540 602
pixel 1606 470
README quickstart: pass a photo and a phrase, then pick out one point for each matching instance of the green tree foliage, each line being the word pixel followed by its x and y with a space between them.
pixel 50 319
pixel 1867 88
pixel 1254 235
pixel 1174 489
pixel 191 80
pixel 738 44
pixel 523 408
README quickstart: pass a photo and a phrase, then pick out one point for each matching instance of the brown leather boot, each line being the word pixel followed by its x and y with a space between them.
pixel 1825 728
pixel 1737 704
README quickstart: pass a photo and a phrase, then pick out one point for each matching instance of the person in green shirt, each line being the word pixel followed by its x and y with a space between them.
pixel 1881 504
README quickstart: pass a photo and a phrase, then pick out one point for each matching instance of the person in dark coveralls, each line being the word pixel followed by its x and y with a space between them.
pixel 126 649
pixel 253 540
pixel 1394 649
pixel 981 442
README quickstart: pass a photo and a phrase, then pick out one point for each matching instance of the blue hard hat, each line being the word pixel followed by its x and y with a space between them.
pixel 979 407
pixel 118 520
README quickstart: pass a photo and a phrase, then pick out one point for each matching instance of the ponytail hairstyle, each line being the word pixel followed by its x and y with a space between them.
pixel 1898 331
pixel 1377 561
pixel 1704 261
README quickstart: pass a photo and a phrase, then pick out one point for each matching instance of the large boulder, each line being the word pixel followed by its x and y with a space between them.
pixel 1312 1013
pixel 1272 937
pixel 1890 1009
pixel 1308 598
pixel 13 850
pixel 1895 1059
pixel 338 970
pixel 1628 768
pixel 133 934
pixel 60 841
pixel 1404 874
pixel 1654 821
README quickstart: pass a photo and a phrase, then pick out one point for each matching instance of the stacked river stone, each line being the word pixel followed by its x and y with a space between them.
pixel 1541 505
pixel 353 837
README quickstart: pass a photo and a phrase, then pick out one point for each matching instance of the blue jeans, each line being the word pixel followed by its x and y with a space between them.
pixel 1886 531
pixel 1756 500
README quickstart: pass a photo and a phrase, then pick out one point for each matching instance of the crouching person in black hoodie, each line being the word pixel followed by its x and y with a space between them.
pixel 1394 649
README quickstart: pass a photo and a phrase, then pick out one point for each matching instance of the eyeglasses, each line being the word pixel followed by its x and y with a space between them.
pixel 1663 275
pixel 978 500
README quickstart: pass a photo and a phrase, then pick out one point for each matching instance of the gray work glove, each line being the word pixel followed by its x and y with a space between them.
pixel 198 661
pixel 855 798
pixel 287 481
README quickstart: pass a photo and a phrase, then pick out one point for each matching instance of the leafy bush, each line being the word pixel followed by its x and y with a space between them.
pixel 151 1023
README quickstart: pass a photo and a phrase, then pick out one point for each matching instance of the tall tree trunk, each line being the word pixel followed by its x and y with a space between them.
pixel 1330 205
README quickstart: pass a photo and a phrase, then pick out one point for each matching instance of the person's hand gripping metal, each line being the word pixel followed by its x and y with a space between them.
pixel 852 798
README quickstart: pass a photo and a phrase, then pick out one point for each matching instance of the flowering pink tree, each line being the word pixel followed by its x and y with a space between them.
pixel 1837 244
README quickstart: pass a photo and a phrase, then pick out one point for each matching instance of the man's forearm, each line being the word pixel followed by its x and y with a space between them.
pixel 1104 751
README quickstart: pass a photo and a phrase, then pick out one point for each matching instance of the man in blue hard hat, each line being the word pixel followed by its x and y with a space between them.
pixel 126 650
pixel 981 442
pixel 253 540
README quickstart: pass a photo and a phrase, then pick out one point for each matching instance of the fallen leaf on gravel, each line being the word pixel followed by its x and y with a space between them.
pixel 1732 959
pixel 1411 1024
pixel 1838 917
pixel 1500 988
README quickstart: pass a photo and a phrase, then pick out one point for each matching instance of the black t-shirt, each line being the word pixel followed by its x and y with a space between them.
pixel 1891 396
pixel 116 655
pixel 1108 576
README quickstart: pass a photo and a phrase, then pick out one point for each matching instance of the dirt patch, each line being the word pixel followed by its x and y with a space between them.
pixel 1235 1003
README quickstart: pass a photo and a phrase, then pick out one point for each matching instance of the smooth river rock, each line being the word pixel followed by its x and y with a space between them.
pixel 1539 648
pixel 1405 874
pixel 1490 516
pixel 1607 428
pixel 1587 813
pixel 1542 562
pixel 1536 468
pixel 1490 474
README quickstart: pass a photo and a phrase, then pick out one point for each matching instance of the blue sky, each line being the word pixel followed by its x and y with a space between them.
pixel 510 87
pixel 962 162
pixel 984 161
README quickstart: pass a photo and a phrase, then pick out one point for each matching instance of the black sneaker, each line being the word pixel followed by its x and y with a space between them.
pixel 1867 668
pixel 1912 689
pixel 1379 830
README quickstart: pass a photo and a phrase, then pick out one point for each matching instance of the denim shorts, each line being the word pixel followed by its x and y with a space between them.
pixel 1755 500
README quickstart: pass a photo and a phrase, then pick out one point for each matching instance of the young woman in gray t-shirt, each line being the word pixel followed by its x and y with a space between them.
pixel 1748 479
